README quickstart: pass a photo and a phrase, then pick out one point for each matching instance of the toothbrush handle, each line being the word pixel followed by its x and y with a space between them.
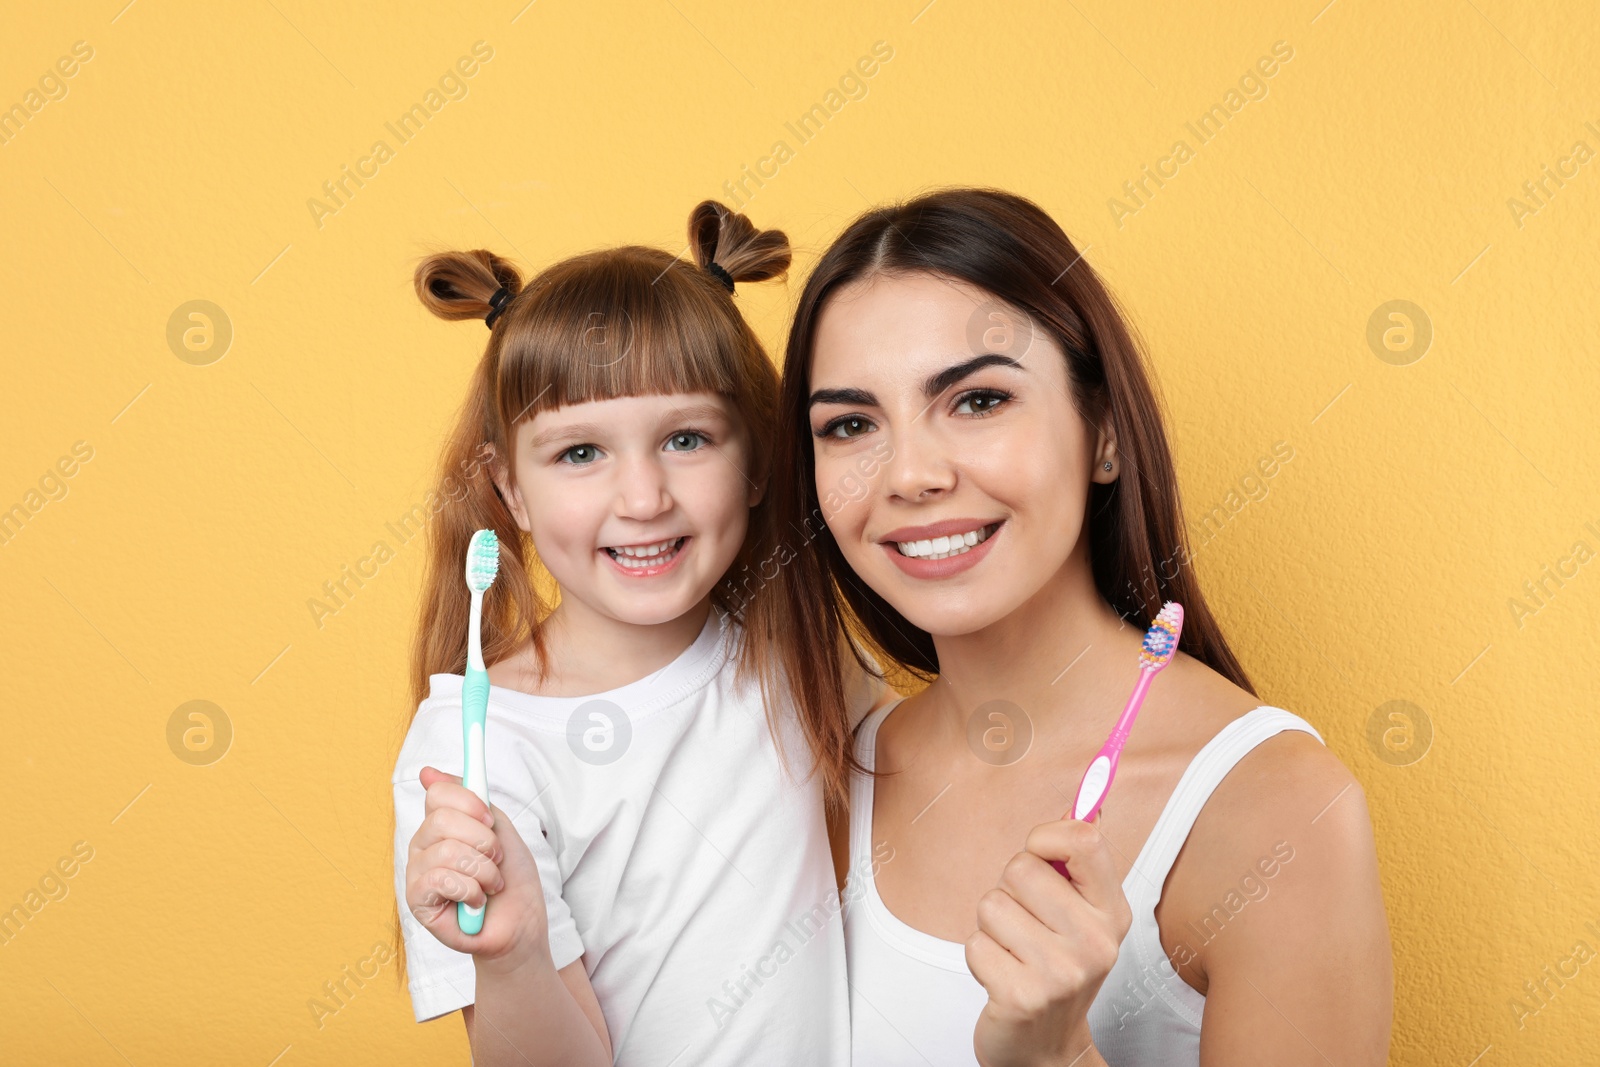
pixel 1096 782
pixel 474 772
pixel 1093 789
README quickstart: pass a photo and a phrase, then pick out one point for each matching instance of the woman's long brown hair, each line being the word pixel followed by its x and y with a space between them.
pixel 1009 247
pixel 628 321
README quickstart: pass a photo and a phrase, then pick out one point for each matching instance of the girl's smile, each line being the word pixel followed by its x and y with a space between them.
pixel 636 504
pixel 647 561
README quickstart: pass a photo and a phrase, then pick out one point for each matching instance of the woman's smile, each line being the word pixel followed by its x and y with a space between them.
pixel 941 549
pixel 981 447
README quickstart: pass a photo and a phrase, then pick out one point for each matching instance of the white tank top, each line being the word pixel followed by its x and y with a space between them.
pixel 914 1002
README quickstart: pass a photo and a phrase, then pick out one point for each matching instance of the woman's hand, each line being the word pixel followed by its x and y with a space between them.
pixel 464 851
pixel 1044 946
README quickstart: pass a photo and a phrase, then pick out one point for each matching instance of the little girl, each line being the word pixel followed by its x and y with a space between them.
pixel 659 888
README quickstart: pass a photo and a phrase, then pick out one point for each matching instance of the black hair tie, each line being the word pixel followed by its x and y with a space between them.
pixel 497 302
pixel 722 275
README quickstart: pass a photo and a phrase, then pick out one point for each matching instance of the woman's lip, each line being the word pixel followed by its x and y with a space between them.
pixel 943 528
pixel 942 568
pixel 649 572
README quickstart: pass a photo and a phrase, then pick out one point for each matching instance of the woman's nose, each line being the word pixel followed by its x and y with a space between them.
pixel 919 467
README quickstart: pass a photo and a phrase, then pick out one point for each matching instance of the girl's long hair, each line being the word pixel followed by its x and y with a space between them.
pixel 1010 248
pixel 627 321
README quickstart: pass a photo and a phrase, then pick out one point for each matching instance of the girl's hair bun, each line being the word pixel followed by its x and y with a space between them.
pixel 458 285
pixel 731 241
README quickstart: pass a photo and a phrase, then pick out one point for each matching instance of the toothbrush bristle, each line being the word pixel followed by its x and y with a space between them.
pixel 1161 640
pixel 483 560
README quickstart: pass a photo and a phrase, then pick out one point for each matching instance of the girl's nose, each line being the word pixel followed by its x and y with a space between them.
pixel 642 490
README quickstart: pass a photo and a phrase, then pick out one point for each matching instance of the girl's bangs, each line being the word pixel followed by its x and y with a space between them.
pixel 625 322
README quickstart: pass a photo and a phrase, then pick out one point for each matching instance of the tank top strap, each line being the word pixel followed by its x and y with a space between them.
pixel 1200 779
pixel 866 743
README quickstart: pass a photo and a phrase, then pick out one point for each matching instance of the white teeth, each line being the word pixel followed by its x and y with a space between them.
pixel 635 556
pixel 647 550
pixel 940 547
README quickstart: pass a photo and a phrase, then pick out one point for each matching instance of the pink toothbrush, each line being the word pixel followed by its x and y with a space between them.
pixel 1160 645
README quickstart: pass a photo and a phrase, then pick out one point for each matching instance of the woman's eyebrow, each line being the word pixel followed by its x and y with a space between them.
pixel 843 396
pixel 938 383
pixel 931 388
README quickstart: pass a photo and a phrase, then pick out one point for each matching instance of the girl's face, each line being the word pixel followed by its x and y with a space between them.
pixel 982 462
pixel 637 505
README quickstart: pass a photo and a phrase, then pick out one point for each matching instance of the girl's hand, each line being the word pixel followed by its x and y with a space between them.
pixel 465 851
pixel 1044 946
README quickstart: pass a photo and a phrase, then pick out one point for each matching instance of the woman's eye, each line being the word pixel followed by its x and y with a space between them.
pixel 580 455
pixel 687 441
pixel 846 427
pixel 981 401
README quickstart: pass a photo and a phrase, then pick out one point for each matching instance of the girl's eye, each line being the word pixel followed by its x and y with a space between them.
pixel 981 401
pixel 687 441
pixel 846 426
pixel 580 455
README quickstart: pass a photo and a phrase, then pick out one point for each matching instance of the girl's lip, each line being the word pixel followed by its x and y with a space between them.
pixel 649 572
pixel 942 568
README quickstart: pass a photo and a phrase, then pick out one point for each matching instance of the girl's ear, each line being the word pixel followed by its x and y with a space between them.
pixel 756 493
pixel 508 489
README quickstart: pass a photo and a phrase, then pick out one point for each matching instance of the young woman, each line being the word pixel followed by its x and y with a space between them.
pixel 1019 529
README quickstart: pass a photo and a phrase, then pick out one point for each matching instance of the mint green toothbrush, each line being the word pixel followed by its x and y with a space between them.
pixel 483 563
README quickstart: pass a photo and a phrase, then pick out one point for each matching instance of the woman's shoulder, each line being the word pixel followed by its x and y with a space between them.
pixel 1292 766
pixel 1289 774
pixel 1282 859
pixel 1288 781
pixel 1289 805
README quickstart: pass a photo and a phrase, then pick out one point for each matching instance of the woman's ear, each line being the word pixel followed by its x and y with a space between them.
pixel 1107 462
pixel 757 491
pixel 508 489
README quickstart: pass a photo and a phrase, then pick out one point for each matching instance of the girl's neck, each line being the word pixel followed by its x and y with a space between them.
pixel 593 653
pixel 1064 657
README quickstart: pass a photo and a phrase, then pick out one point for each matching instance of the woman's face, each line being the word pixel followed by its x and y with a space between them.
pixel 637 505
pixel 981 462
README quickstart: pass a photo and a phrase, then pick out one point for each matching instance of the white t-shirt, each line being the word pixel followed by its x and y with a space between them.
pixel 678 858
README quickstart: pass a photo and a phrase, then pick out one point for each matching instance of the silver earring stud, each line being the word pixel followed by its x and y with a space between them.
pixel 1107 464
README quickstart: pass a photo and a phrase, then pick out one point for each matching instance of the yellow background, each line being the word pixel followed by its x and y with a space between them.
pixel 1380 564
